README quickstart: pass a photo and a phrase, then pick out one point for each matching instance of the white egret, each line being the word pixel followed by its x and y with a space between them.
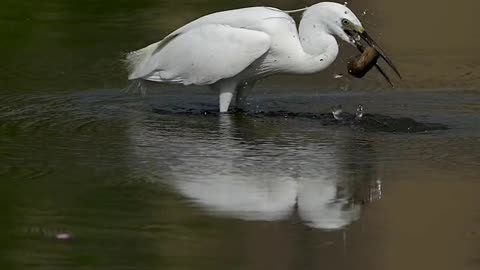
pixel 232 49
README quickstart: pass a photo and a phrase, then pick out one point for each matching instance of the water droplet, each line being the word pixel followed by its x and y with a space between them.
pixel 359 112
pixel 337 111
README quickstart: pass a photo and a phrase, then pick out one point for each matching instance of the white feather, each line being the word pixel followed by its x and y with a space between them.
pixel 198 55
pixel 137 60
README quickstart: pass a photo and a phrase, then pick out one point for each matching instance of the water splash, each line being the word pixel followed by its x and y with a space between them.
pixel 359 112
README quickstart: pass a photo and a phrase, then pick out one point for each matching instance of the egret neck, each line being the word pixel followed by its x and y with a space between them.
pixel 320 48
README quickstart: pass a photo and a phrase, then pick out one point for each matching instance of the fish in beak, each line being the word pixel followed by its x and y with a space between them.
pixel 366 37
pixel 359 34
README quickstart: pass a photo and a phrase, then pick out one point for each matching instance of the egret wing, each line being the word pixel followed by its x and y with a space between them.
pixel 248 18
pixel 202 55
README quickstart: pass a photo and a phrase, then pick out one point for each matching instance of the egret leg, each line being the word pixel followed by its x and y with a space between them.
pixel 225 99
pixel 226 90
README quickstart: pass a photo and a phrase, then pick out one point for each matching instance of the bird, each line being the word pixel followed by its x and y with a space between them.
pixel 231 50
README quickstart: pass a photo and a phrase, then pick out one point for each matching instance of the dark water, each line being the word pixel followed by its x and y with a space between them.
pixel 134 188
pixel 92 177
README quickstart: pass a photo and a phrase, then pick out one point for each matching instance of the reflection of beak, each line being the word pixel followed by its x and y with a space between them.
pixel 366 37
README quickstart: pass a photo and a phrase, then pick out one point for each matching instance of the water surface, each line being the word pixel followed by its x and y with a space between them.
pixel 135 188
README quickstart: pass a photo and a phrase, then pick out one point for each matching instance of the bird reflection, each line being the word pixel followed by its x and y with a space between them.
pixel 258 168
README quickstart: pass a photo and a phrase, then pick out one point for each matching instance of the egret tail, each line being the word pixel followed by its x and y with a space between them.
pixel 136 61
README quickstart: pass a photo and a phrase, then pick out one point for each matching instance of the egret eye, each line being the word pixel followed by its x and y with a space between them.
pixel 345 22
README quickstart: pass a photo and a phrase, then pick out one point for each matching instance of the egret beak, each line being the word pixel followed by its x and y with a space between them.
pixel 366 37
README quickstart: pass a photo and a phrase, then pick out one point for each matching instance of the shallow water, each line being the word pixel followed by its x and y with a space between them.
pixel 102 179
pixel 93 177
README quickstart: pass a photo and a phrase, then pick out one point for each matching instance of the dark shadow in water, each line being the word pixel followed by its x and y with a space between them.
pixel 243 168
pixel 368 122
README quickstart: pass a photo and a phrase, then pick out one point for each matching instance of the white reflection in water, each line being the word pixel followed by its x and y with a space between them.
pixel 256 170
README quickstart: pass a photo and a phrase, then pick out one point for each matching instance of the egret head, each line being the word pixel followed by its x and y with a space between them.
pixel 340 21
pixel 336 19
